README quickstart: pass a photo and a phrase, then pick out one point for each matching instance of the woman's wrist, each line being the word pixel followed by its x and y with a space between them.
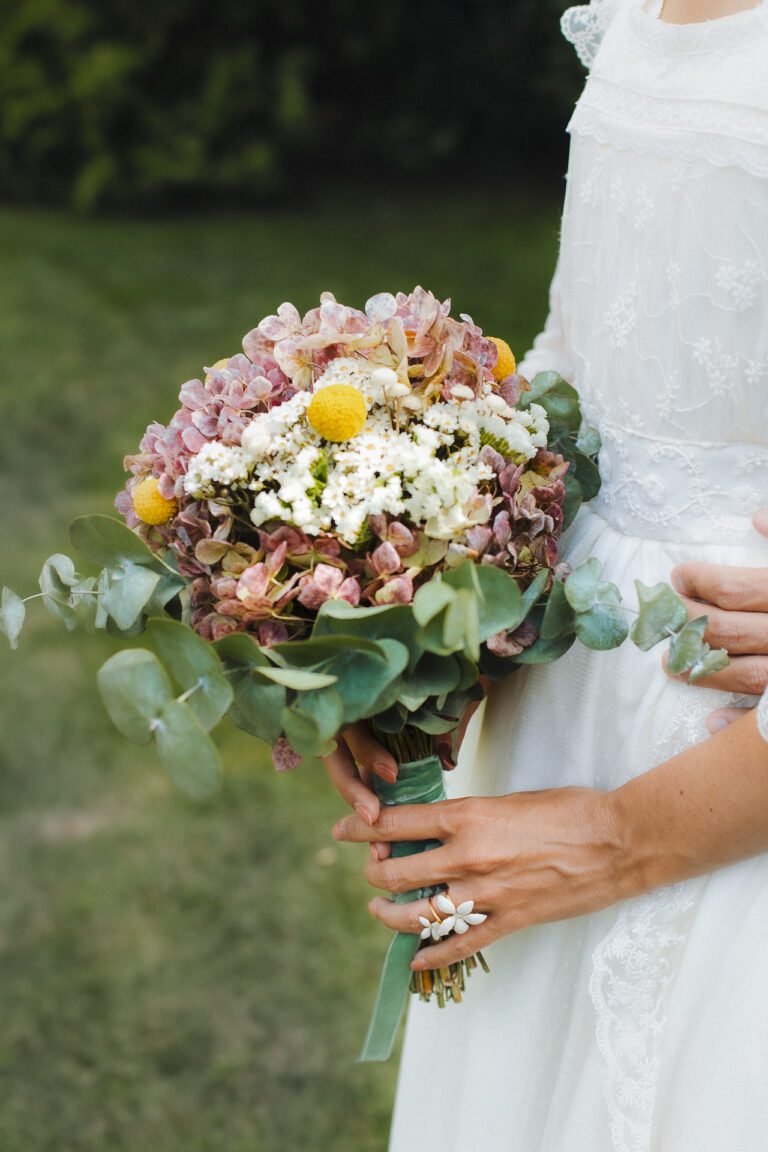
pixel 642 861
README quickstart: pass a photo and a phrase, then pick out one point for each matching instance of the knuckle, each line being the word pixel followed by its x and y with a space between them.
pixel 755 677
pixel 731 593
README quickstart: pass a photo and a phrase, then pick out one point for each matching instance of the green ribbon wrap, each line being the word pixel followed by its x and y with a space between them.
pixel 418 782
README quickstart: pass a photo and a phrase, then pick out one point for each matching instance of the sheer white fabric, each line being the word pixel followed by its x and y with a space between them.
pixel 643 1028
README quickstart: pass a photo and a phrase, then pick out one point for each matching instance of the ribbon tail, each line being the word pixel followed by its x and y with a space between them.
pixel 393 990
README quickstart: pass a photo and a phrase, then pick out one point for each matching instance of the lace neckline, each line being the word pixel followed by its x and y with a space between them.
pixel 702 36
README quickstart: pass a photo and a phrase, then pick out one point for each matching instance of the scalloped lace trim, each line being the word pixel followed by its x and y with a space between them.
pixel 584 26
pixel 633 973
pixel 724 135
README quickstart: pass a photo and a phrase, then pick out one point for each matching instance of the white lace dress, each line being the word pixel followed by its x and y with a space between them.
pixel 642 1028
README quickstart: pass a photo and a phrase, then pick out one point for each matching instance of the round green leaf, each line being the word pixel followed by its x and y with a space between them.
pixel 12 613
pixel 130 587
pixel 602 627
pixel 135 689
pixel 582 585
pixel 108 542
pixel 662 613
pixel 195 667
pixel 688 646
pixel 559 617
pixel 257 704
pixel 187 752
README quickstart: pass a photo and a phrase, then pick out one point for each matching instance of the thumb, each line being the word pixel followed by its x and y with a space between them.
pixel 723 718
pixel 760 521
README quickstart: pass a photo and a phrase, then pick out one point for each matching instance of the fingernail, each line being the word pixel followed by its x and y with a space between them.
pixel 384 769
pixel 338 830
pixel 418 964
pixel 717 724
pixel 372 907
pixel 364 814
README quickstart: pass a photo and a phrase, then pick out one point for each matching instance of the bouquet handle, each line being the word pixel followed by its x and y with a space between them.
pixel 418 782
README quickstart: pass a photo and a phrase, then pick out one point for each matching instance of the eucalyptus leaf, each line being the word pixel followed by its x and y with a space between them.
pixel 130 587
pixel 534 591
pixel 167 587
pixel 498 598
pixel 662 613
pixel 587 473
pixel 257 704
pixel 432 723
pixel 196 668
pixel 581 587
pixel 589 441
pixel 299 679
pixel 431 599
pixel 187 752
pixel 318 650
pixel 715 660
pixel 12 613
pixel 546 651
pixel 315 718
pixel 393 621
pixel 57 578
pixel 301 731
pixel 85 601
pixel 574 498
pixel 559 617
pixel 135 688
pixel 461 626
pixel 602 627
pixel 688 646
pixel 108 542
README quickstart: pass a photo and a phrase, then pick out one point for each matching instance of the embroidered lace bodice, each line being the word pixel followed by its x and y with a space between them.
pixel 660 303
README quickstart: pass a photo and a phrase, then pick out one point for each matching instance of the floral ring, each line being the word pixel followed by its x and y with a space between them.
pixel 453 919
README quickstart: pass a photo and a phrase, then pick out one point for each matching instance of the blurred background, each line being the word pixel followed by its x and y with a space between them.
pixel 198 976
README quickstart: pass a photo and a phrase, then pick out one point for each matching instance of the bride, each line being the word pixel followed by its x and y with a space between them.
pixel 620 856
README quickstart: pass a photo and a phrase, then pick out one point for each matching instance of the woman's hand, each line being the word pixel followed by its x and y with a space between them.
pixel 359 757
pixel 523 859
pixel 736 602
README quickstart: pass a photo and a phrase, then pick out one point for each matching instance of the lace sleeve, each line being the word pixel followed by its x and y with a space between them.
pixel 550 351
pixel 762 716
pixel 584 26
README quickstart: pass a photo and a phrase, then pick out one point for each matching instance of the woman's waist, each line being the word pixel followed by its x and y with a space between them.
pixel 679 491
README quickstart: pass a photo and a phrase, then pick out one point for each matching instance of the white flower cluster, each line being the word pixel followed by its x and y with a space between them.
pixel 216 466
pixel 426 468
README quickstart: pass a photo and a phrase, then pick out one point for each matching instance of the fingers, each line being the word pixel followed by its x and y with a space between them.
pixel 402 822
pixel 420 916
pixel 345 778
pixel 760 521
pixel 723 718
pixel 369 754
pixel 455 948
pixel 745 675
pixel 740 633
pixel 401 874
pixel 734 589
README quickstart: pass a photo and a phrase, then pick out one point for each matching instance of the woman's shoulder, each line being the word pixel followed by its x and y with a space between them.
pixel 584 26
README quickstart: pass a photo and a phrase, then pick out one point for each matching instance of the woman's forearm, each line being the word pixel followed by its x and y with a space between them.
pixel 705 808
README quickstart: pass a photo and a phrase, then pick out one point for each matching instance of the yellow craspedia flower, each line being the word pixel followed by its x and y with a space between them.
pixel 337 412
pixel 506 364
pixel 149 505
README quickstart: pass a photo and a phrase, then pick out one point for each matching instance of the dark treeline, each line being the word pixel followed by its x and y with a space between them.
pixel 113 103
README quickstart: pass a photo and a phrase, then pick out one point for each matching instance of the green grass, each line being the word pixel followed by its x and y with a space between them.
pixel 174 976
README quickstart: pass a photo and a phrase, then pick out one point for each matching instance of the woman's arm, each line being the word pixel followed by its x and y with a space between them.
pixel 532 857
pixel 706 808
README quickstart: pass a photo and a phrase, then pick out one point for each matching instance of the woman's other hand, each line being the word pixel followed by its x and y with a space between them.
pixel 736 602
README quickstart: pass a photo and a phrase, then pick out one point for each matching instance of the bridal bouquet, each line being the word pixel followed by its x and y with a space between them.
pixel 354 519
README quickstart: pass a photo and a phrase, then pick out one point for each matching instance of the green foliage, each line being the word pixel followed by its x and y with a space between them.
pixel 12 613
pixel 662 613
pixel 114 104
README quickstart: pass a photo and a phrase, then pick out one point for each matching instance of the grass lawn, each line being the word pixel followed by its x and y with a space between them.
pixel 181 977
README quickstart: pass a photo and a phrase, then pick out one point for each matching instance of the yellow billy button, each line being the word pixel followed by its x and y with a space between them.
pixel 149 505
pixel 337 412
pixel 505 365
